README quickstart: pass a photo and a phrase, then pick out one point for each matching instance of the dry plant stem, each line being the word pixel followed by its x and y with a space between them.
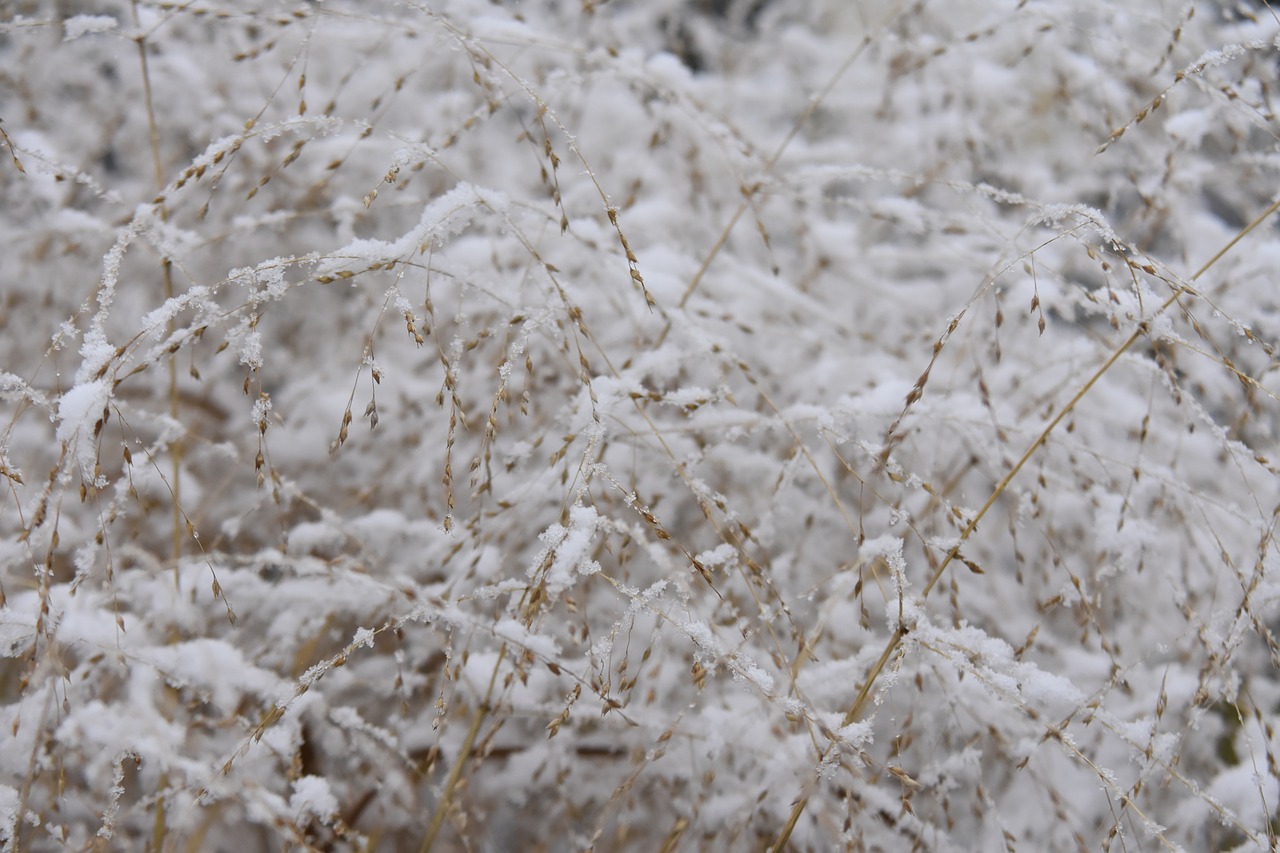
pixel 864 692
pixel 175 452
pixel 159 827
pixel 455 773
pixel 29 780
pixel 13 152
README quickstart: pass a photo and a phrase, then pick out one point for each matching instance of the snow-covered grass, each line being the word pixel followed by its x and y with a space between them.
pixel 667 425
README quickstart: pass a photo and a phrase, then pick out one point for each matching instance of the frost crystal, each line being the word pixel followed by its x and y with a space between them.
pixel 247 341
pixel 261 412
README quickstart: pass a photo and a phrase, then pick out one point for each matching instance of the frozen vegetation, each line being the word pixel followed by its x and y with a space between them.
pixel 639 425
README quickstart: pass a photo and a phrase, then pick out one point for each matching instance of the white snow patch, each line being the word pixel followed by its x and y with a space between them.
pixel 78 412
pixel 1190 126
pixel 1051 693
pixel 311 796
pixel 363 637
pixel 572 547
pixel 751 671
pixel 81 25
pixel 9 805
pixel 704 638
pixel 516 632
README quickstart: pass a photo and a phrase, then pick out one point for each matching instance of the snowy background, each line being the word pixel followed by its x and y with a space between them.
pixel 682 424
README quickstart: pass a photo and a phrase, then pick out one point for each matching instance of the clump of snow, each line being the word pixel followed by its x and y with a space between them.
pixel 752 672
pixel 571 547
pixel 1054 695
pixel 79 410
pixel 81 25
pixel 261 413
pixel 247 341
pixel 10 802
pixel 312 797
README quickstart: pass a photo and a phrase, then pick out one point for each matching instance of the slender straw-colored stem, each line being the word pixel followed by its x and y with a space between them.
pixel 455 773
pixel 160 823
pixel 178 528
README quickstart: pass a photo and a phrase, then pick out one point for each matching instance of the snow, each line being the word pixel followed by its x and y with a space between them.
pixel 756 675
pixel 1052 694
pixel 708 646
pixel 79 409
pixel 80 25
pixel 571 548
pixel 1190 126
pixel 599 550
pixel 313 797
pixel 10 801
pixel 96 354
pixel 516 632
pixel 247 341
pixel 261 412
pixel 1245 792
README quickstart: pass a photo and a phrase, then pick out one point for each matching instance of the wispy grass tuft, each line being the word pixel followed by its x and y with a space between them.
pixel 663 426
